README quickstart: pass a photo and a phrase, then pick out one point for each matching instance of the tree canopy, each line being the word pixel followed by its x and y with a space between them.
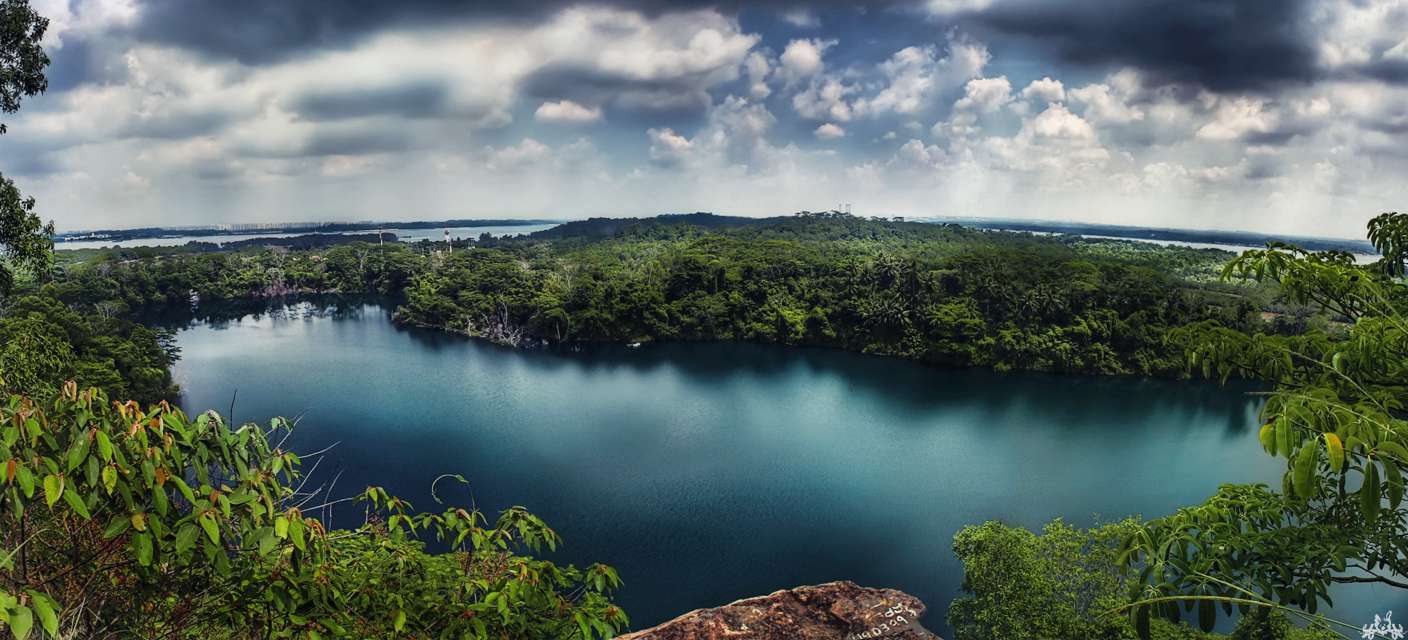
pixel 24 239
pixel 1336 415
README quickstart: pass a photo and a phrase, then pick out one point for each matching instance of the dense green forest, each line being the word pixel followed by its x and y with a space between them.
pixel 938 293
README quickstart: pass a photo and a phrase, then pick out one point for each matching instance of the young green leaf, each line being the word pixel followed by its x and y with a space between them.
pixel 1268 437
pixel 1394 448
pixel 142 545
pixel 21 621
pixel 104 446
pixel 71 497
pixel 117 527
pixel 1394 480
pixel 77 454
pixel 26 480
pixel 186 537
pixel 1284 430
pixel 109 477
pixel 45 607
pixel 1335 451
pixel 207 522
pixel 52 490
pixel 1369 498
pixel 1305 471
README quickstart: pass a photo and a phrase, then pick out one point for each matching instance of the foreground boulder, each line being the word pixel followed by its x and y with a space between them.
pixel 833 611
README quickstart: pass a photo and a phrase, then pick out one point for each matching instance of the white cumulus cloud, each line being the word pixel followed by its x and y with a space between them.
pixel 829 131
pixel 567 111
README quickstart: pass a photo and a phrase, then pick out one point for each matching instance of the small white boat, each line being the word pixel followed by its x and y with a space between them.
pixel 634 344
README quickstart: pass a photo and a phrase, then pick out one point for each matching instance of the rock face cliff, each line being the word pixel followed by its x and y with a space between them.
pixel 834 611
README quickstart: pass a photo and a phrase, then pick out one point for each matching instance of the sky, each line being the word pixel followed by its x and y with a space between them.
pixel 1285 116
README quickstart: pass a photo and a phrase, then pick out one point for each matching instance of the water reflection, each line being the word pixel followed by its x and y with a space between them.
pixel 219 313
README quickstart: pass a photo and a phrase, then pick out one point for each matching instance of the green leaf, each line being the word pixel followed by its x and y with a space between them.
pixel 400 621
pixel 267 540
pixel 1207 615
pixel 51 490
pixel 1395 484
pixel 142 544
pixel 77 454
pixel 1284 430
pixel 26 480
pixel 47 616
pixel 119 525
pixel 1305 471
pixel 104 446
pixel 281 527
pixel 1394 448
pixel 212 529
pixel 1268 437
pixel 1335 451
pixel 186 537
pixel 581 624
pixel 109 476
pixel 71 497
pixel 1369 499
pixel 21 621
pixel 185 490
pixel 159 500
pixel 296 527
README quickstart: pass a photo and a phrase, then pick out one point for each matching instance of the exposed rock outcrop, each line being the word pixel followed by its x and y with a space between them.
pixel 834 611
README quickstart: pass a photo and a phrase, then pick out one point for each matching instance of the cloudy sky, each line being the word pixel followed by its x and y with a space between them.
pixel 1284 115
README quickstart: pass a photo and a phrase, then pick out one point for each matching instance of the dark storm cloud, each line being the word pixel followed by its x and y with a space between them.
pixel 262 31
pixel 176 127
pixel 32 165
pixel 417 101
pixel 1392 71
pixel 1223 45
pixel 592 87
pixel 355 143
pixel 73 64
pixel 1262 168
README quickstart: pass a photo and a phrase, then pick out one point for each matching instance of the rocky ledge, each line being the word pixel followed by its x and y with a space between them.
pixel 834 611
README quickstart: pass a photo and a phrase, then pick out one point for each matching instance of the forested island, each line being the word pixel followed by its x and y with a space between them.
pixel 176 506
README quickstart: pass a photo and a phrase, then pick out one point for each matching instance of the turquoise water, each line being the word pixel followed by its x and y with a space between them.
pixel 711 472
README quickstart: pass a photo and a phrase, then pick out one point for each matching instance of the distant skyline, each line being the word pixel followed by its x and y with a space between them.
pixel 1287 116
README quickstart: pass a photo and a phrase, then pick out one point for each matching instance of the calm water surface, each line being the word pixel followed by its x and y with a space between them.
pixel 705 473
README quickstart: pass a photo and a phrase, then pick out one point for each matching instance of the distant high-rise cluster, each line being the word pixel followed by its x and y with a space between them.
pixel 264 226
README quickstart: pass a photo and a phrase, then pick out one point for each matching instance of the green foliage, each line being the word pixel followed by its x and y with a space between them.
pixel 119 522
pixel 24 239
pixel 1336 416
pixel 1265 623
pixel 1049 587
pixel 46 343
pixel 938 293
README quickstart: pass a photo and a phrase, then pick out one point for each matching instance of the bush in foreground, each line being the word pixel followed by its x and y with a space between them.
pixel 117 521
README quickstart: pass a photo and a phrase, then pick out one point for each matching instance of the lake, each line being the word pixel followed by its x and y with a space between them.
pixel 709 472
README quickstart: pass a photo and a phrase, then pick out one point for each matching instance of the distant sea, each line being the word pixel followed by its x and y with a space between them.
pixel 402 235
